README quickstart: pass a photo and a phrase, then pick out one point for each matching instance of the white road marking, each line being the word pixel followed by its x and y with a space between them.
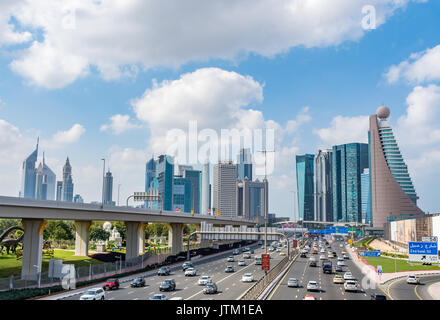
pixel 130 292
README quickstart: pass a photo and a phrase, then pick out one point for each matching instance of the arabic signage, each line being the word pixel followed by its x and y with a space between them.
pixel 423 252
pixel 265 262
pixel 373 253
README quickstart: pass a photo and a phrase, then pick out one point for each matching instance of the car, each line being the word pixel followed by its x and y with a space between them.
pixel 315 251
pixel 312 286
pixel 282 253
pixel 340 258
pixel 339 268
pixel 411 279
pixel 176 298
pixel 187 265
pixel 258 261
pixel 322 250
pixel 341 263
pixel 278 249
pixel 235 252
pixel 138 282
pixel 111 284
pixel 164 271
pixel 230 259
pixel 303 255
pixel 260 243
pixel 322 257
pixel 229 269
pixel 312 262
pixel 338 279
pixel 190 272
pixel 330 255
pixel 204 280
pixel 246 255
pixel 343 252
pixel 293 283
pixel 93 294
pixel 348 276
pixel 241 263
pixel 167 285
pixel 158 296
pixel 345 256
pixel 246 249
pixel 247 277
pixel 271 249
pixel 378 297
pixel 350 285
pixel 210 288
pixel 309 297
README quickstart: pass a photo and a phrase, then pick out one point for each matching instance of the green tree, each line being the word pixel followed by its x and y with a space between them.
pixel 7 223
pixel 59 230
pixel 122 229
pixel 97 233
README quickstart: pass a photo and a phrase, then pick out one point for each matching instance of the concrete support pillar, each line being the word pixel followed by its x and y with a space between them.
pixel 175 238
pixel 135 244
pixel 204 243
pixel 82 238
pixel 32 248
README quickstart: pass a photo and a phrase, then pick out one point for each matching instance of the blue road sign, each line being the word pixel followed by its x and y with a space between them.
pixel 425 248
pixel 374 253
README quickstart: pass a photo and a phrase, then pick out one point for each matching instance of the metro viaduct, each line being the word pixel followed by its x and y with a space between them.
pixel 35 213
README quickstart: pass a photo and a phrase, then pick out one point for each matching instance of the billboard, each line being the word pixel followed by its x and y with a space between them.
pixel 265 262
pixel 423 252
pixel 373 253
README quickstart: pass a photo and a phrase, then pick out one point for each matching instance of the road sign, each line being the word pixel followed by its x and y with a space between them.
pixel 379 269
pixel 265 262
pixel 430 239
pixel 423 252
pixel 374 253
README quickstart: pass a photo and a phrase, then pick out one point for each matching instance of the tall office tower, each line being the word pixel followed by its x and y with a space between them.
pixel 304 181
pixel 78 199
pixel 40 184
pixel 323 197
pixel 59 191
pixel 348 162
pixel 29 175
pixel 108 189
pixel 366 196
pixel 50 180
pixel 160 177
pixel 195 176
pixel 225 189
pixel 244 165
pixel 251 199
pixel 392 191
pixel 180 168
pixel 67 190
pixel 206 190
pixel 182 194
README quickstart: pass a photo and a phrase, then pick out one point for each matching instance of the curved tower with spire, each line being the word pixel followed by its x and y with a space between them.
pixel 29 173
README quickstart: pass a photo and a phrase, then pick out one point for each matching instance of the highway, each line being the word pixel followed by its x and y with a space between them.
pixel 229 284
pixel 301 270
pixel 400 290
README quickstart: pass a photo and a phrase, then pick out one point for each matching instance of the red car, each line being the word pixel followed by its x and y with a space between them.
pixel 111 284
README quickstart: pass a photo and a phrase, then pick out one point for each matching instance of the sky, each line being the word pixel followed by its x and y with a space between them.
pixel 112 78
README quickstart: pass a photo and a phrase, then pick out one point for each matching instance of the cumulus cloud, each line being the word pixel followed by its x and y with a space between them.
pixel 62 138
pixel 421 67
pixel 119 123
pixel 345 130
pixel 120 37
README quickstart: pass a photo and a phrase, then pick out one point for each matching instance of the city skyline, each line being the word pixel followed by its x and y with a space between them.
pixel 102 110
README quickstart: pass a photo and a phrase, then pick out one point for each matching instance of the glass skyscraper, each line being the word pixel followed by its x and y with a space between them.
pixel 244 165
pixel 323 186
pixel 366 196
pixel 304 180
pixel 160 176
pixel 29 175
pixel 195 177
pixel 348 162
pixel 67 187
pixel 182 194
pixel 108 189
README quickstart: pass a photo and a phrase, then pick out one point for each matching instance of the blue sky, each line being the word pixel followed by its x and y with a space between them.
pixel 340 76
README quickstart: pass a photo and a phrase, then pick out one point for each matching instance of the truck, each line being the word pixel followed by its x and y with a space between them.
pixel 327 267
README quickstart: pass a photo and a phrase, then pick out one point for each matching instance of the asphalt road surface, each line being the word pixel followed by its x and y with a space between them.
pixel 400 290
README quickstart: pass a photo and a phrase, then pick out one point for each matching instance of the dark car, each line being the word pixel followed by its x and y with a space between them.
pixel 164 271
pixel 138 282
pixel 111 284
pixel 303 255
pixel 187 265
pixel 210 288
pixel 168 285
pixel 339 269
pixel 378 297
pixel 229 269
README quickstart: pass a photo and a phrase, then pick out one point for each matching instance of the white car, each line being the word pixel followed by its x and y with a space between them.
pixel 176 298
pixel 230 259
pixel 412 279
pixel 348 276
pixel 204 280
pixel 241 263
pixel 246 255
pixel 93 294
pixel 312 286
pixel 282 253
pixel 322 257
pixel 340 258
pixel 293 283
pixel 345 256
pixel 350 285
pixel 190 272
pixel 159 296
pixel 341 263
pixel 247 277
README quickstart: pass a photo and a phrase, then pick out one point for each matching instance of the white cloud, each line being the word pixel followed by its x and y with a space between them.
pixel 345 130
pixel 120 37
pixel 419 68
pixel 119 123
pixel 62 138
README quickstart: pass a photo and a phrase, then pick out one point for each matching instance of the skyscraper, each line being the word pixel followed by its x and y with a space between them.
pixel 304 180
pixel 251 199
pixel 182 194
pixel 348 162
pixel 225 189
pixel 195 177
pixel 392 192
pixel 244 165
pixel 29 175
pixel 206 189
pixel 108 189
pixel 160 176
pixel 45 182
pixel 67 187
pixel 323 184
pixel 366 196
pixel 78 199
pixel 59 191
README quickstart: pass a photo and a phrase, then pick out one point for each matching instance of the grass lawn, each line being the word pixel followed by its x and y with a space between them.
pixel 388 264
pixel 9 265
pixel 363 243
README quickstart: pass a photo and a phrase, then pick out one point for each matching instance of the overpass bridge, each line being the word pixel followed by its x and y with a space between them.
pixel 35 213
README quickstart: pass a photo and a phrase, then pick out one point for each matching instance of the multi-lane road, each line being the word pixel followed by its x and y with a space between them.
pixel 399 289
pixel 301 270
pixel 229 285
